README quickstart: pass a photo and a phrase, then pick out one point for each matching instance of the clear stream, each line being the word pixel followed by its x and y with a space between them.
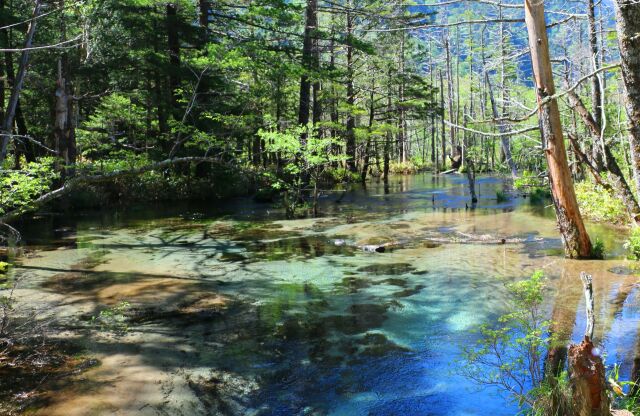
pixel 234 310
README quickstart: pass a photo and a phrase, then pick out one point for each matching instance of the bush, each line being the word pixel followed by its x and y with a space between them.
pixel 597 250
pixel 340 174
pixel 403 168
pixel 19 188
pixel 529 180
pixel 599 204
pixel 502 196
pixel 510 354
pixel 539 195
pixel 633 244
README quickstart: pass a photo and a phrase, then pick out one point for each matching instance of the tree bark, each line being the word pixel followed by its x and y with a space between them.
pixel 587 372
pixel 311 23
pixel 7 125
pixel 574 235
pixel 443 154
pixel 628 28
pixel 173 42
pixel 351 99
pixel 504 140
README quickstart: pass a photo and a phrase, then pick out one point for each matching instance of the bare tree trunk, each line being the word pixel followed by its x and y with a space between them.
pixel 173 42
pixel 628 27
pixel 442 128
pixel 574 235
pixel 351 99
pixel 7 125
pixel 596 95
pixel 310 28
pixel 367 150
pixel 504 140
pixel 452 131
pixel 64 129
pixel 615 178
pixel 402 133
pixel 388 137
pixel 203 19
pixel 587 371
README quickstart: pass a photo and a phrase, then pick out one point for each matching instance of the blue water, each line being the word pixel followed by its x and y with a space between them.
pixel 323 327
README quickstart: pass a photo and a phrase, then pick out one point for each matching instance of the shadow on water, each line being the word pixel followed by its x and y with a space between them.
pixel 234 311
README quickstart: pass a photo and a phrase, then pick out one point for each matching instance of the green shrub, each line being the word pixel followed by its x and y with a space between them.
pixel 510 353
pixel 539 195
pixel 19 188
pixel 502 196
pixel 403 168
pixel 341 174
pixel 633 244
pixel 597 249
pixel 599 204
pixel 528 180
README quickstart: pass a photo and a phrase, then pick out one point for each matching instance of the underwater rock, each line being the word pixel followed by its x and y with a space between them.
pixel 395 281
pixel 225 393
pixel 409 292
pixel 399 226
pixel 232 257
pixel 621 270
pixel 355 283
pixel 387 269
pixel 361 318
pixel 378 345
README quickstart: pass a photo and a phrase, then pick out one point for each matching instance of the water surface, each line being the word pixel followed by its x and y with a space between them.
pixel 234 310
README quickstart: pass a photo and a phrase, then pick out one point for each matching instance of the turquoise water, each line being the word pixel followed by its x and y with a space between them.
pixel 234 310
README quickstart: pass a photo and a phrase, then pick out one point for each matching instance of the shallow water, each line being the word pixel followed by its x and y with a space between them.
pixel 234 310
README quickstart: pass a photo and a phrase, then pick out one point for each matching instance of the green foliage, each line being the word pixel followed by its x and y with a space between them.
pixel 599 204
pixel 633 244
pixel 4 267
pixel 113 319
pixel 509 354
pixel 403 168
pixel 539 195
pixel 528 180
pixel 341 174
pixel 307 157
pixel 117 121
pixel 19 188
pixel 629 401
pixel 597 249
pixel 553 397
pixel 501 196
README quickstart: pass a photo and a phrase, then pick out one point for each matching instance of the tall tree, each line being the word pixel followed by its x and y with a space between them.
pixel 628 27
pixel 574 234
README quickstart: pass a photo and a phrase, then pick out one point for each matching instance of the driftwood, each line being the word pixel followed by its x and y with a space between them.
pixel 587 372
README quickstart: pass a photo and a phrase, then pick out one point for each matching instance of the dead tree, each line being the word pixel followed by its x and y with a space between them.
pixel 628 27
pixel 10 114
pixel 574 235
pixel 587 372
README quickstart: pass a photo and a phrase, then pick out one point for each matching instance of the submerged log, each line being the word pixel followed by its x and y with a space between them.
pixel 587 372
